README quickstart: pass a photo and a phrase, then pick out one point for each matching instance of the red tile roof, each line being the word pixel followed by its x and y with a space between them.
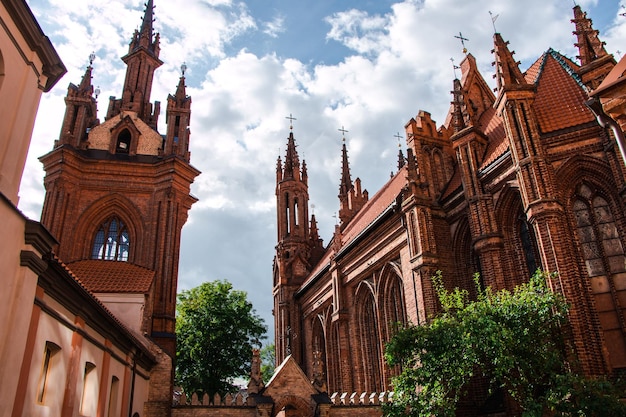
pixel 493 127
pixel 112 277
pixel 560 101
pixel 376 206
pixel 137 337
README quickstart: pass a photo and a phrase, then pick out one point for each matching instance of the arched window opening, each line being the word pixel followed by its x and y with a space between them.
pixel 605 262
pixel 296 212
pixel 529 244
pixel 50 364
pixel 89 399
pixel 112 242
pixel 287 219
pixel 113 397
pixel 438 169
pixel 123 141
pixel 319 353
pixel 371 356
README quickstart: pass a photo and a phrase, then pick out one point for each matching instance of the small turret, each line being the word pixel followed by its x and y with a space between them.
pixel 80 111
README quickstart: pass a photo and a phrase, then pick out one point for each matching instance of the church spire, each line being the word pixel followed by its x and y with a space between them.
pixel 595 62
pixel 346 182
pixel 507 69
pixel 351 198
pixel 589 45
pixel 459 115
pixel 146 24
pixel 141 62
pixel 292 161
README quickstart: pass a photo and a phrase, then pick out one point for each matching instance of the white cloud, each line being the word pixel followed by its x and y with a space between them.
pixel 274 27
pixel 400 64
pixel 359 31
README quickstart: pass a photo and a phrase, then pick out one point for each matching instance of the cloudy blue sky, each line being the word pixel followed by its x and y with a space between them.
pixel 368 65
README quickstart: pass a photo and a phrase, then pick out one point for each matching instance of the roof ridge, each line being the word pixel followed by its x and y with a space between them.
pixel 561 59
pixel 109 260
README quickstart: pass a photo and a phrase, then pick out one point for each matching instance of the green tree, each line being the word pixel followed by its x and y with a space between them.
pixel 216 330
pixel 514 339
pixel 268 362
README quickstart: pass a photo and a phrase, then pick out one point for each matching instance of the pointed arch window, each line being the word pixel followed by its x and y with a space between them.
pixel 529 244
pixel 111 242
pixel 605 259
pixel 371 355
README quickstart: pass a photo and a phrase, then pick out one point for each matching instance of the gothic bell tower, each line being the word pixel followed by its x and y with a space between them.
pixel 118 192
pixel 298 244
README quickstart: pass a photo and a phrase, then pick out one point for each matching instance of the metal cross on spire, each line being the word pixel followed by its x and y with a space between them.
pixel 291 119
pixel 343 133
pixel 398 136
pixel 462 41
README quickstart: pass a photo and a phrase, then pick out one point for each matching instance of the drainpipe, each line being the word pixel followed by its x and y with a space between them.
pixel 605 121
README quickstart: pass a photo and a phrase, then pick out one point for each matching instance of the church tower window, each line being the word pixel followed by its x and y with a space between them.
pixel 123 141
pixel 112 241
pixel 529 247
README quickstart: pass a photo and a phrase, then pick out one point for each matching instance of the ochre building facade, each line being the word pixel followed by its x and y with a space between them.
pixel 522 179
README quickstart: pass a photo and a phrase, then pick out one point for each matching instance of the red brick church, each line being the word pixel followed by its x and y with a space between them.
pixel 522 179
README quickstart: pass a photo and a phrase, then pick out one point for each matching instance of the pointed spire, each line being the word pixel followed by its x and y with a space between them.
pixel 589 45
pixel 346 182
pixel 507 69
pixel 313 230
pixel 279 170
pixel 85 87
pixel 181 93
pixel 292 161
pixel 147 32
pixel 459 115
pixel 305 175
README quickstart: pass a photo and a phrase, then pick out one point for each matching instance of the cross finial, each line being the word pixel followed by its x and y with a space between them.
pixel 398 136
pixel 343 133
pixel 462 41
pixel 291 119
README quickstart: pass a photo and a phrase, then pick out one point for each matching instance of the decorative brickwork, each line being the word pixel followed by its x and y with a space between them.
pixel 515 181
pixel 123 169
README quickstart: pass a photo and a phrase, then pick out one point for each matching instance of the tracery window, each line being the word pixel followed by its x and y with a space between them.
pixel 601 245
pixel 112 242
pixel 605 261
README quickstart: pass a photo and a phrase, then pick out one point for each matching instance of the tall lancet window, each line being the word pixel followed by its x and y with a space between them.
pixel 111 242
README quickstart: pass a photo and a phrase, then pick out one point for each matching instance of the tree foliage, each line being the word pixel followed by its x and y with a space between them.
pixel 268 362
pixel 513 339
pixel 216 330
